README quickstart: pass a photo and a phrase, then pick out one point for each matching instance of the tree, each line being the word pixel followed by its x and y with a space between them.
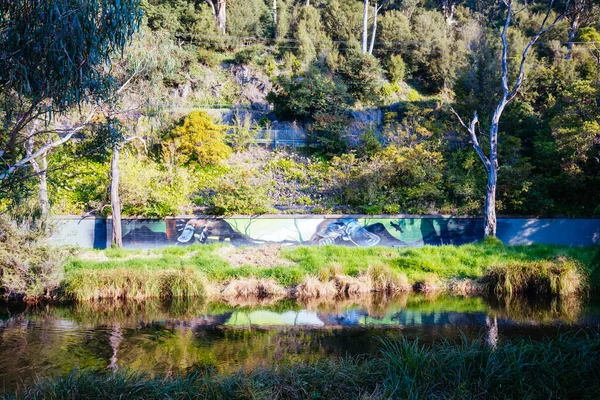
pixel 582 12
pixel 509 92
pixel 54 56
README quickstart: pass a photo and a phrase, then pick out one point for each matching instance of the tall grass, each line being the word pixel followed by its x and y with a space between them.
pixel 566 367
pixel 464 269
pixel 135 284
pixel 558 277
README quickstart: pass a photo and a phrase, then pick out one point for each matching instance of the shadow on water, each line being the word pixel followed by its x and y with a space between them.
pixel 176 336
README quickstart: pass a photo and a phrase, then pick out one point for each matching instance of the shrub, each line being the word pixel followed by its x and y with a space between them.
pixel 241 192
pixel 208 58
pixel 198 140
pixel 396 68
pixel 29 269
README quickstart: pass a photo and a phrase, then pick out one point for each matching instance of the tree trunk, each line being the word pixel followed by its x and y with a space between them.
pixel 222 15
pixel 374 33
pixel 115 201
pixel 44 202
pixel 572 33
pixel 489 212
pixel 307 3
pixel 40 171
pixel 365 23
pixel 275 17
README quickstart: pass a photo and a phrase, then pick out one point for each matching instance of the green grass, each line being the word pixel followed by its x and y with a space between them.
pixel 556 270
pixel 560 368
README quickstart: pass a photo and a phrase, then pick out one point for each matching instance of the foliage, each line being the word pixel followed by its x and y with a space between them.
pixel 198 140
pixel 29 269
pixel 301 97
pixel 52 50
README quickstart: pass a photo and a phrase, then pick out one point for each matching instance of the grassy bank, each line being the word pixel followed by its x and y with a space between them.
pixel 565 367
pixel 329 271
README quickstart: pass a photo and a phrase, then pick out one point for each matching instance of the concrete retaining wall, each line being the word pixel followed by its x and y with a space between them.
pixel 363 231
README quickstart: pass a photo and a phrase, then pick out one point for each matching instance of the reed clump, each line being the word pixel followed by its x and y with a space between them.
pixel 312 287
pixel 134 284
pixel 559 277
pixel 252 287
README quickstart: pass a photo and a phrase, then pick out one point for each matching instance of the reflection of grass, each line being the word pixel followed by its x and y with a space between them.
pixel 564 367
pixel 138 273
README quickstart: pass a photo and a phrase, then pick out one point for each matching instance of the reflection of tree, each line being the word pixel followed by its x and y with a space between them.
pixel 116 337
pixel 491 332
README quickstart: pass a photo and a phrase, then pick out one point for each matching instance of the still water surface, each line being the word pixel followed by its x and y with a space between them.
pixel 171 337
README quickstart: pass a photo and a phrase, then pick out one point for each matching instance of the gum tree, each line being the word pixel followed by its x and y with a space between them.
pixel 509 91
pixel 54 60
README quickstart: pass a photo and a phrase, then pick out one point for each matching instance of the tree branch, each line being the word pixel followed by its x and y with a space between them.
pixel 48 146
pixel 471 128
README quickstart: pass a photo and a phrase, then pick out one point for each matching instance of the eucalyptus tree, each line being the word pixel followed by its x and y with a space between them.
pixel 553 15
pixel 55 58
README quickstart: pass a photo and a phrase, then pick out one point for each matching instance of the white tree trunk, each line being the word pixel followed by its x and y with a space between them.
pixel 115 201
pixel 275 17
pixel 365 23
pixel 44 202
pixel 572 32
pixel 374 32
pixel 222 15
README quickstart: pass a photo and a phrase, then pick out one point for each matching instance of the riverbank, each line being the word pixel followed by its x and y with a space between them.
pixel 563 367
pixel 220 271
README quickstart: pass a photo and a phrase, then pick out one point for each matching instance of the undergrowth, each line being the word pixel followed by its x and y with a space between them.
pixel 561 368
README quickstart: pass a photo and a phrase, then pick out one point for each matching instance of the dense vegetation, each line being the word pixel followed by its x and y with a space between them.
pixel 562 368
pixel 380 135
pixel 224 272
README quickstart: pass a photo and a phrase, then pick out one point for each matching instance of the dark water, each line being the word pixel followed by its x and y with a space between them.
pixel 178 336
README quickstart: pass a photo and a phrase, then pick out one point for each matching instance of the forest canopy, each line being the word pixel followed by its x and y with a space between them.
pixel 363 89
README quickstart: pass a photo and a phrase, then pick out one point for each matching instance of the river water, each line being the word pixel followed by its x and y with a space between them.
pixel 172 337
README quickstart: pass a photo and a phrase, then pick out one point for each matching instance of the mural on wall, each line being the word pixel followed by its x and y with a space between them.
pixel 312 230
pixel 363 232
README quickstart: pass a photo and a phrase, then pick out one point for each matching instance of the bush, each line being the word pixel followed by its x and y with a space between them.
pixel 29 269
pixel 248 54
pixel 396 68
pixel 208 58
pixel 198 140
pixel 241 192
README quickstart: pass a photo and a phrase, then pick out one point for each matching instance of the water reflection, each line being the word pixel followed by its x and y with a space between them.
pixel 178 336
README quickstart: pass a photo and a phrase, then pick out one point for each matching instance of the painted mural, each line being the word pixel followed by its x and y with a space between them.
pixel 360 232
pixel 313 230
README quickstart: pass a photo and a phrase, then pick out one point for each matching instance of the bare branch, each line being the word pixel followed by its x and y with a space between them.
pixel 471 128
pixel 48 146
pixel 509 95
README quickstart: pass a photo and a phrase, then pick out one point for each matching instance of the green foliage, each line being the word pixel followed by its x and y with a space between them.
pixel 247 18
pixel 314 92
pixel 198 140
pixel 179 16
pixel 327 134
pixel 53 50
pixel 396 68
pixel 241 192
pixel 250 54
pixel 29 268
pixel 363 74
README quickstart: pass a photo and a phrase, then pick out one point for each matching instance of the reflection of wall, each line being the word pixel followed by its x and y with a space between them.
pixel 361 231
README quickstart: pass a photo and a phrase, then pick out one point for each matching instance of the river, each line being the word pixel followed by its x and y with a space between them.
pixel 178 336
